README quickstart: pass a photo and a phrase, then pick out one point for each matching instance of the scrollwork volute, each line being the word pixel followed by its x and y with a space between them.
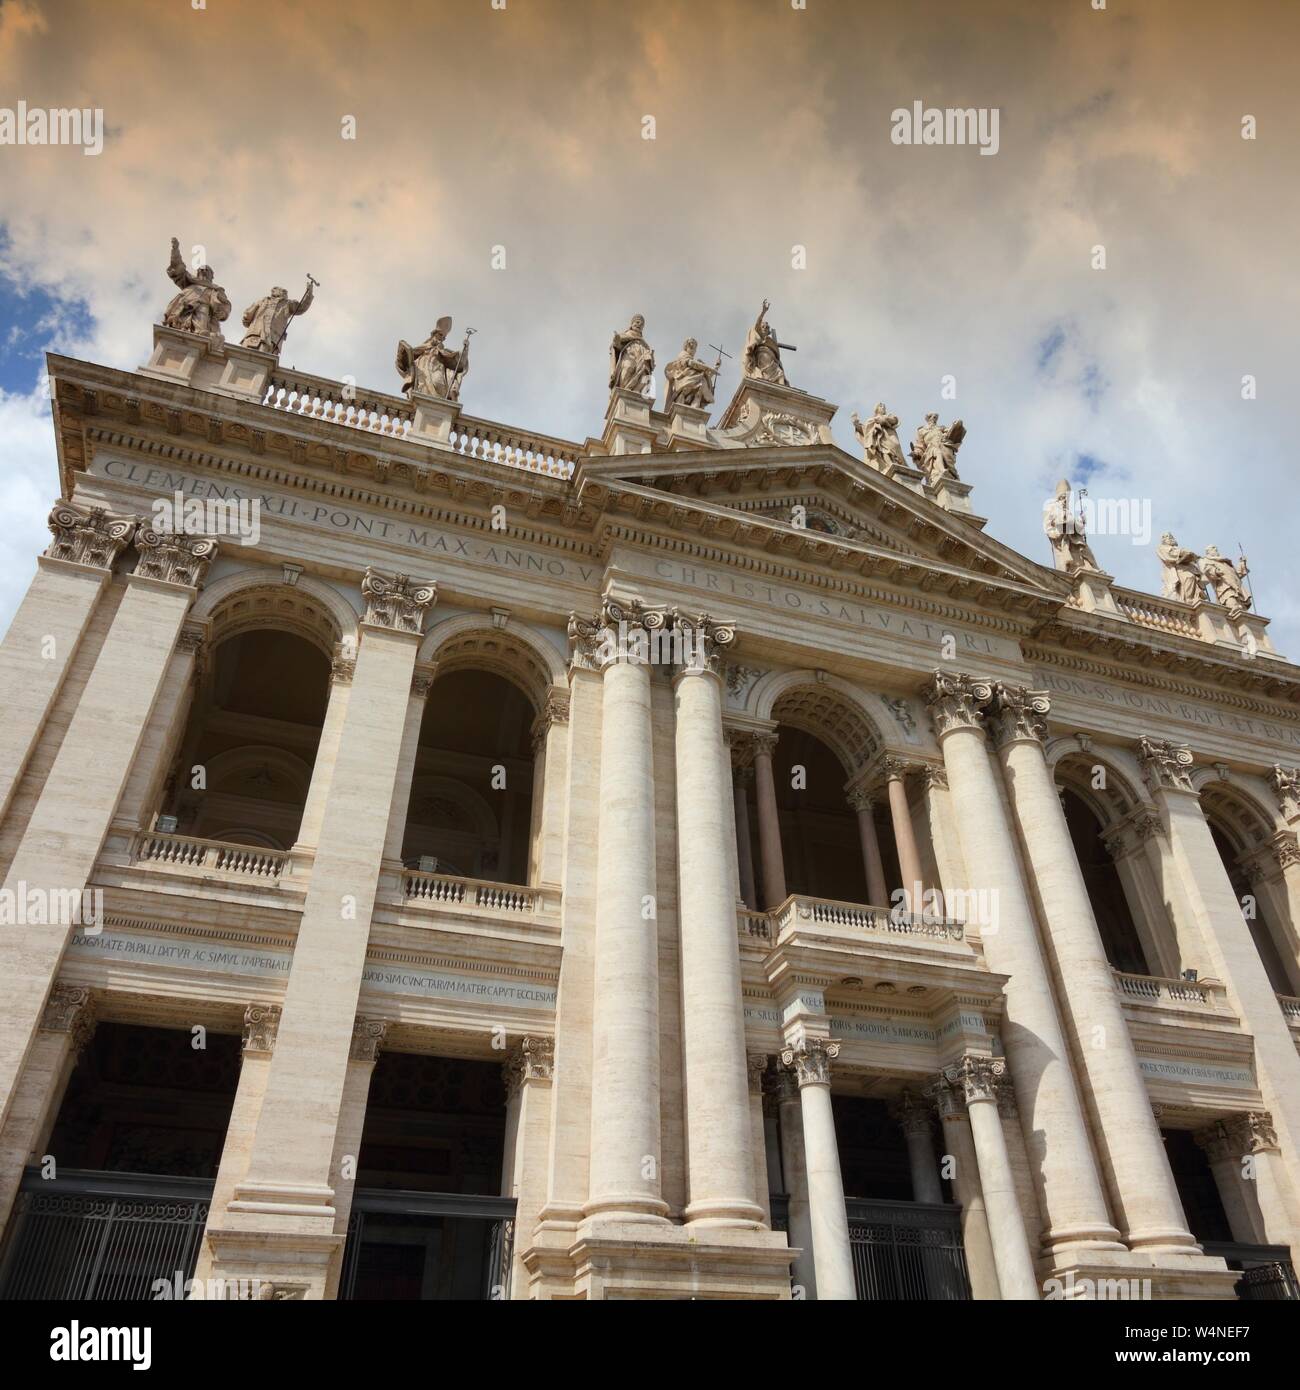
pixel 621 631
pixel 367 1038
pixel 88 535
pixel 174 557
pixel 531 1060
pixel 955 701
pixel 700 643
pixel 978 1077
pixel 1166 766
pixel 397 601
pixel 810 1060
pixel 1017 714
pixel 261 1024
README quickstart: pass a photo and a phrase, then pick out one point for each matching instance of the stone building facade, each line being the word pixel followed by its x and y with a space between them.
pixel 692 862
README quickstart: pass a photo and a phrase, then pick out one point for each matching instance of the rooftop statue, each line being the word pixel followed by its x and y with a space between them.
pixel 267 320
pixel 631 358
pixel 433 368
pixel 1065 530
pixel 762 355
pixel 1226 577
pixel 690 382
pixel 879 436
pixel 1182 574
pixel 934 450
pixel 201 305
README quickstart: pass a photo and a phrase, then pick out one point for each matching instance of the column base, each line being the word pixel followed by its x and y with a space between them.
pixel 619 1260
pixel 1134 1277
pixel 632 1209
pixel 737 1215
pixel 275 1266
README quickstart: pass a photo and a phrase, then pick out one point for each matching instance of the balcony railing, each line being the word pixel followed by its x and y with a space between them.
pixel 209 856
pixel 424 889
pixel 1154 989
pixel 881 920
pixel 1290 1008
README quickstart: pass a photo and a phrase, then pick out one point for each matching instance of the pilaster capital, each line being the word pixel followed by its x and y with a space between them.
pixel 913 1114
pixel 1017 714
pixel 948 1097
pixel 756 1070
pixel 1251 1133
pixel 1286 848
pixel 1214 1142
pixel 367 1038
pixel 978 1077
pixel 810 1059
pixel 860 801
pixel 765 744
pixel 261 1024
pixel 88 535
pixel 531 1060
pixel 934 777
pixel 397 601
pixel 1285 782
pixel 343 664
pixel 555 710
pixel 173 556
pixel 955 701
pixel 191 639
pixel 422 680
pixel 895 769
pixel 70 1009
pixel 1166 766
pixel 620 631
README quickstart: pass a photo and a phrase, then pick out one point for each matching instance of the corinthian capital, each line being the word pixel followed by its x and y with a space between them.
pixel 88 535
pixel 913 1114
pixel 174 556
pixel 700 643
pixel 977 1077
pixel 1165 765
pixel 621 631
pixel 1251 1133
pixel 810 1059
pixel 1286 848
pixel 397 601
pixel 367 1038
pixel 70 1009
pixel 261 1023
pixel 955 700
pixel 1017 714
pixel 533 1059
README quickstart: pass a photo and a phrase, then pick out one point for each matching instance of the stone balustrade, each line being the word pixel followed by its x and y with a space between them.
pixel 799 909
pixel 423 889
pixel 1165 615
pixel 1153 989
pixel 208 856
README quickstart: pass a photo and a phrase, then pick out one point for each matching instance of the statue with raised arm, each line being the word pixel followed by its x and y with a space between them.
pixel 434 367
pixel 1227 578
pixel 1182 573
pixel 200 306
pixel 267 320
pixel 762 355
pixel 631 358
pixel 879 436
pixel 1065 530
pixel 934 450
pixel 690 382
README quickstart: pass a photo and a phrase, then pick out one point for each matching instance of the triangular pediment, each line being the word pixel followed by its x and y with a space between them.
pixel 844 505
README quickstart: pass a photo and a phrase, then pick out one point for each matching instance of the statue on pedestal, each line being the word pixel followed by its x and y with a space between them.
pixel 934 450
pixel 433 368
pixel 1065 530
pixel 267 320
pixel 762 355
pixel 631 358
pixel 690 382
pixel 1182 574
pixel 201 305
pixel 1227 578
pixel 879 436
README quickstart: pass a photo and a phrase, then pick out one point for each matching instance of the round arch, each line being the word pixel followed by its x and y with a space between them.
pixel 518 654
pixel 1072 767
pixel 828 708
pixel 235 761
pixel 1244 820
pixel 256 598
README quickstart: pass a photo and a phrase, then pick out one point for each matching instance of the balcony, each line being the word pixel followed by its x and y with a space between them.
pixel 471 899
pixel 1176 994
pixel 209 858
pixel 800 911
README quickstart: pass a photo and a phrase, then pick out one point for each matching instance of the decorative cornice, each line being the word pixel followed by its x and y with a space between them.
pixel 367 1038
pixel 1017 714
pixel 174 557
pixel 88 535
pixel 1166 766
pixel 955 701
pixel 397 601
pixel 531 1060
pixel 810 1059
pixel 70 1009
pixel 261 1024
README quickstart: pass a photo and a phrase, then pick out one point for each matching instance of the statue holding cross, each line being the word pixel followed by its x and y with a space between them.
pixel 690 381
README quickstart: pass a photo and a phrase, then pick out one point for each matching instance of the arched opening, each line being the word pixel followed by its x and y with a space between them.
pixel 1257 918
pixel 470 809
pixel 1119 934
pixel 249 747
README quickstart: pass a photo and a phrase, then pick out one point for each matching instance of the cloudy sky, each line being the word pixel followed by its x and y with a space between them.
pixel 521 125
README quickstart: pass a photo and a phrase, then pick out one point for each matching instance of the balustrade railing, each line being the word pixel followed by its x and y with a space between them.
pixel 1291 1008
pixel 1165 615
pixel 426 889
pixel 1156 990
pixel 190 852
pixel 882 920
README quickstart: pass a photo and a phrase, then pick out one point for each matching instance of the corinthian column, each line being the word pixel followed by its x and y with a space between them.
pixel 975 1079
pixel 877 889
pixel 1052 1117
pixel 828 1220
pixel 1149 1206
pixel 909 856
pixel 914 1119
pixel 625 1159
pixel 719 1136
pixel 769 824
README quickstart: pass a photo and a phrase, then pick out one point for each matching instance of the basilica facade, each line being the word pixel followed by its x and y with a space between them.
pixel 442 860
